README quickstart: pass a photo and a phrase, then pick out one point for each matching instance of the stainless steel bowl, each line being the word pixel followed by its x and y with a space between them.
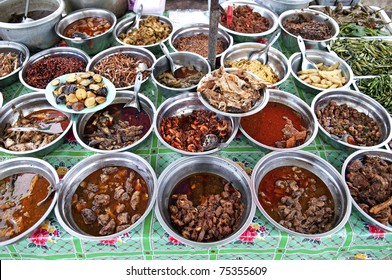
pixel 280 6
pixel 121 97
pixel 318 56
pixel 133 51
pixel 91 45
pixel 29 165
pixel 298 105
pixel 36 35
pixel 385 155
pixel 87 166
pixel 200 28
pixel 55 52
pixel 276 59
pixel 123 25
pixel 29 103
pixel 24 55
pixel 362 103
pixel 251 37
pixel 290 40
pixel 186 59
pixel 118 7
pixel 318 166
pixel 186 166
pixel 185 104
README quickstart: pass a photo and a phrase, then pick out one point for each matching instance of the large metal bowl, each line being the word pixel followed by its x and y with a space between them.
pixel 298 105
pixel 318 56
pixel 276 59
pixel 251 37
pixel 385 155
pixel 29 103
pixel 36 35
pixel 118 7
pixel 91 45
pixel 133 51
pixel 24 55
pixel 185 104
pixel 121 97
pixel 123 25
pixel 186 166
pixel 29 165
pixel 53 52
pixel 87 166
pixel 318 166
pixel 186 59
pixel 280 6
pixel 362 103
pixel 290 40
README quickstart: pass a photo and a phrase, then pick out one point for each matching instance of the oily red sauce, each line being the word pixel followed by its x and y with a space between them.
pixel 266 126
pixel 92 26
pixel 19 196
pixel 46 114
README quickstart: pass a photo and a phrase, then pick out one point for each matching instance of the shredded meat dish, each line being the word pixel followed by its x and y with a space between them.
pixel 197 44
pixel 308 28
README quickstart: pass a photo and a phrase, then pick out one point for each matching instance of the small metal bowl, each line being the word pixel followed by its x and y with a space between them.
pixel 185 104
pixel 318 166
pixel 186 59
pixel 82 169
pixel 200 28
pixel 123 25
pixel 53 52
pixel 385 155
pixel 133 51
pixel 290 40
pixel 29 103
pixel 186 166
pixel 91 45
pixel 362 103
pixel 298 105
pixel 121 97
pixel 24 55
pixel 29 165
pixel 318 56
pixel 276 59
pixel 251 37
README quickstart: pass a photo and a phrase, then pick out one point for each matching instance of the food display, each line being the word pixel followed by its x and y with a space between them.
pixel 244 20
pixel 197 44
pixel 116 127
pixel 276 125
pixel 263 71
pixel 91 26
pixel 326 77
pixel 187 77
pixel 35 15
pixel 22 203
pixel 297 199
pixel 370 184
pixel 234 92
pixel 20 141
pixel 109 200
pixel 150 31
pixel 187 132
pixel 342 120
pixel 307 27
pixel 9 62
pixel 378 88
pixel 205 207
pixel 120 69
pixel 41 72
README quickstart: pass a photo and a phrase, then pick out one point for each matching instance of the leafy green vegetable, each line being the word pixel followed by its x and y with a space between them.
pixel 355 30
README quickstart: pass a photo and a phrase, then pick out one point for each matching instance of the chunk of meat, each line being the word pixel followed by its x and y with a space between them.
pixel 123 218
pixel 109 170
pixel 103 219
pixel 120 208
pixel 135 199
pixel 101 200
pixel 89 216
pixel 108 228
pixel 135 218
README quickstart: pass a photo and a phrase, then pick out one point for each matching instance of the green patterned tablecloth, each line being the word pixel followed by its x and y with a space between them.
pixel 261 241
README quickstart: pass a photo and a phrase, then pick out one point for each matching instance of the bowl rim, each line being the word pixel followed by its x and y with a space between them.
pixel 32 161
pixel 189 242
pixel 182 97
pixel 1 100
pixel 303 103
pixel 21 49
pixel 302 155
pixel 251 4
pixel 151 204
pixel 368 100
pixel 126 148
pixel 347 161
pixel 32 95
pixel 321 54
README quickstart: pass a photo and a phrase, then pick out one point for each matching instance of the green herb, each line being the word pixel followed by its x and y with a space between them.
pixel 355 30
pixel 379 88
